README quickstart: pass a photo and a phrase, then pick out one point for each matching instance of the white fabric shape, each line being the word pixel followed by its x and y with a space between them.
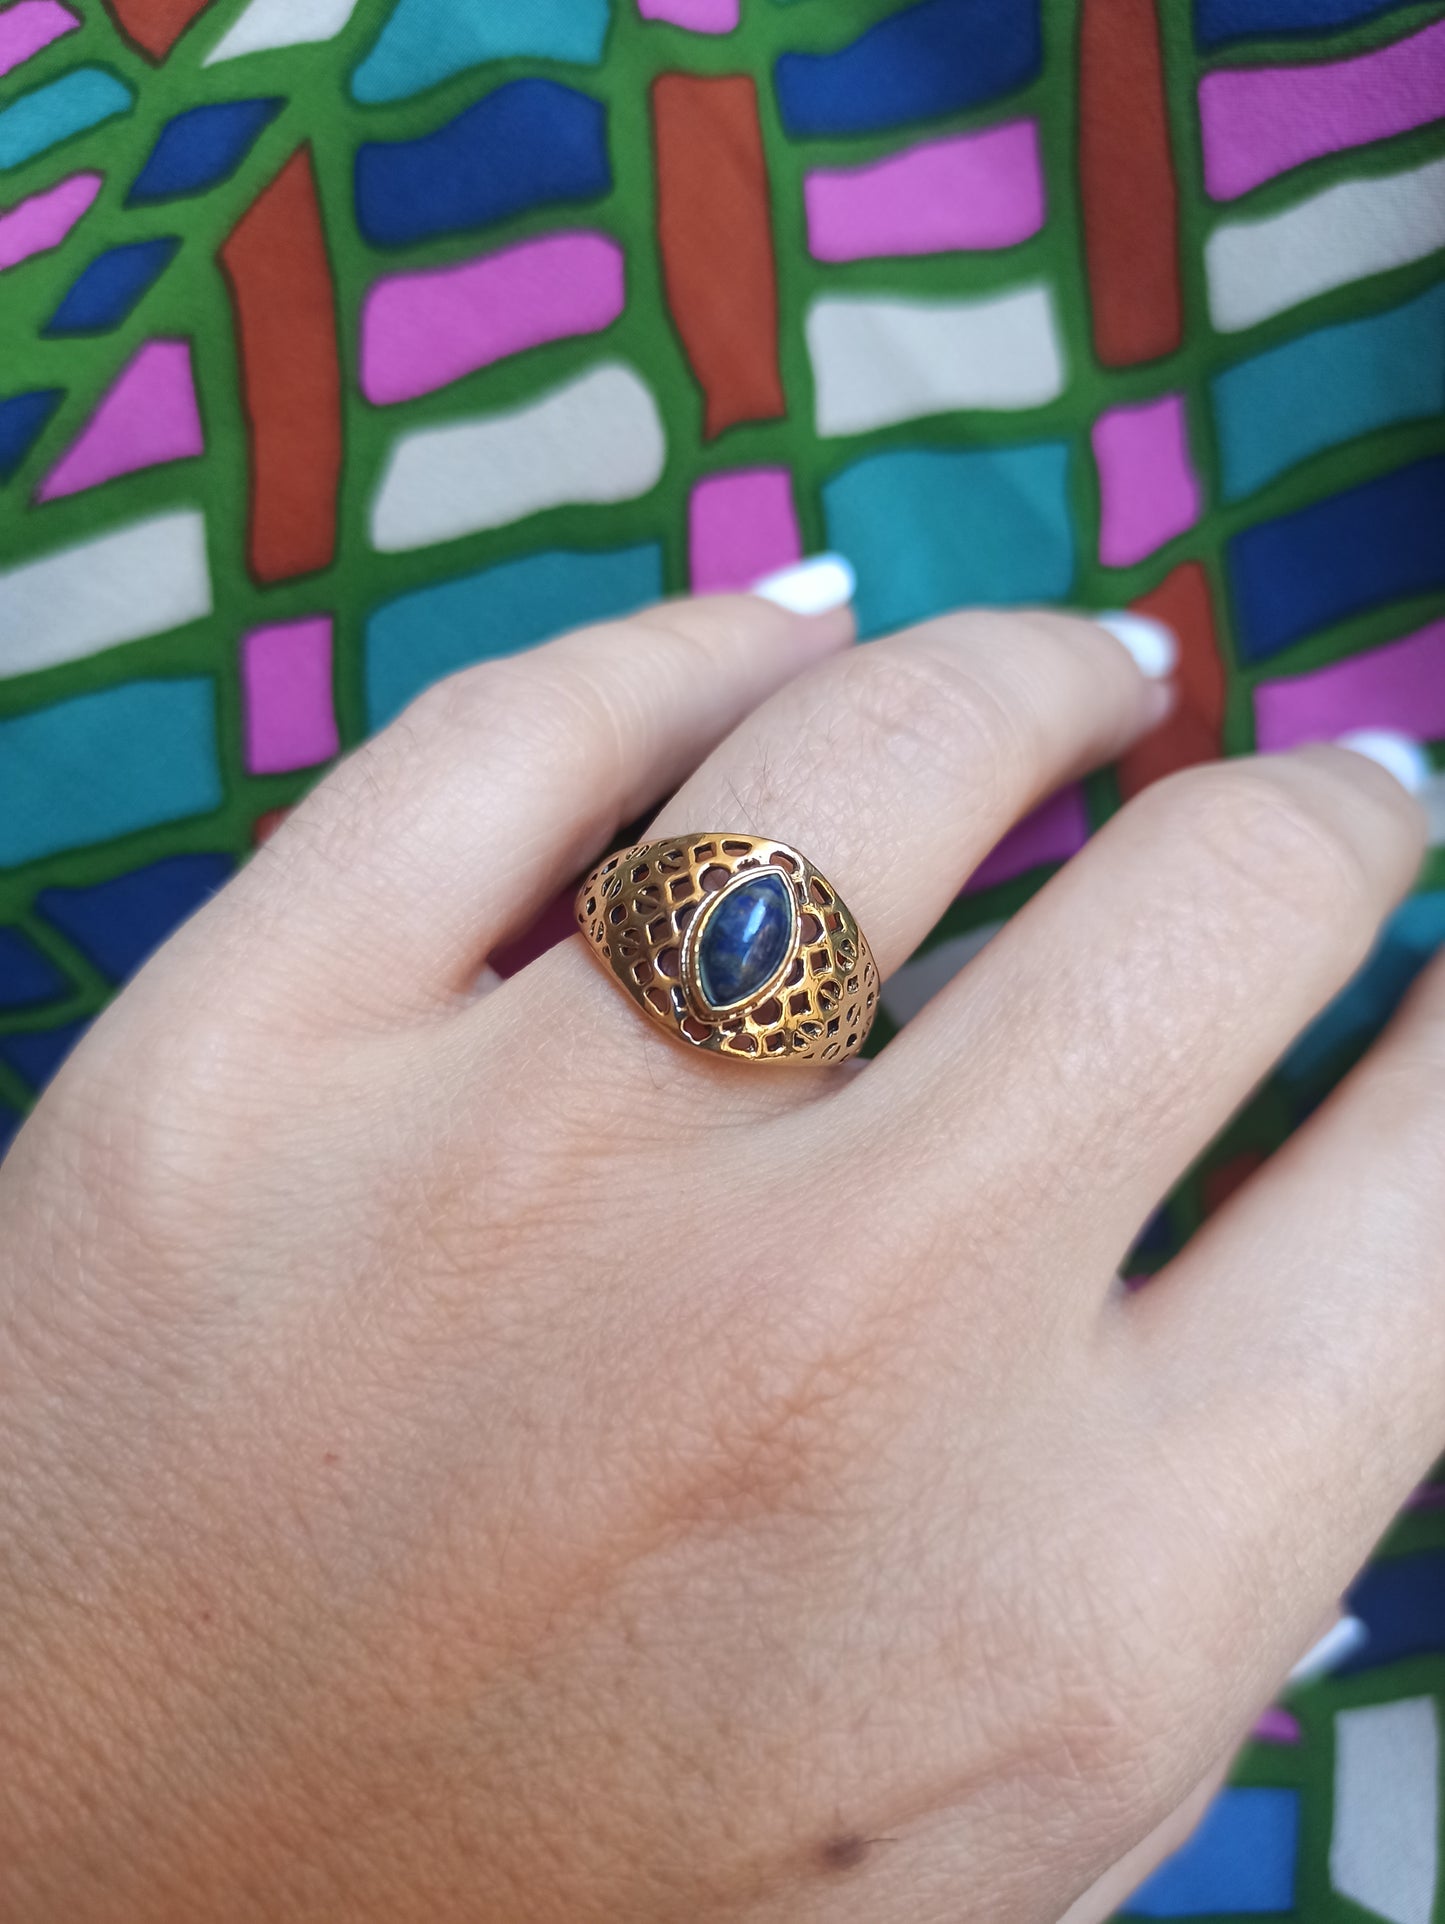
pixel 1257 268
pixel 139 580
pixel 1384 1853
pixel 881 360
pixel 919 980
pixel 280 23
pixel 597 438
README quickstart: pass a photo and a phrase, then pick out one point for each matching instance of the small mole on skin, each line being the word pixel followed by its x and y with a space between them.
pixel 330 1456
pixel 845 1852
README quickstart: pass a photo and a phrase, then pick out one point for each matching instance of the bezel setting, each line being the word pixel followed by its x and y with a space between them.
pixel 645 910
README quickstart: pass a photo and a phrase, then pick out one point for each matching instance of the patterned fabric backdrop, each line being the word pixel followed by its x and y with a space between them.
pixel 343 342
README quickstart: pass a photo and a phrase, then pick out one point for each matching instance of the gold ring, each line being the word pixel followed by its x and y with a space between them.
pixel 734 944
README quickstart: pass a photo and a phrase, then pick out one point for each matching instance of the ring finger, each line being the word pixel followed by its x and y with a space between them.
pixel 895 768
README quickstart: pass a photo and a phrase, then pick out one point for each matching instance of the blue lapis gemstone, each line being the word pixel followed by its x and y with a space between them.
pixel 745 939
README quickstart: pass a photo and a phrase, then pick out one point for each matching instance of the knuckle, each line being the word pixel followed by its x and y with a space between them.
pixel 700 636
pixel 322 828
pixel 194 1111
pixel 139 1133
pixel 377 781
pixel 1265 845
pixel 472 698
pixel 527 709
pixel 928 703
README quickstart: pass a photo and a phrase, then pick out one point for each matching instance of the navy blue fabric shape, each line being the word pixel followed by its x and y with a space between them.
pixel 10 1121
pixel 1339 557
pixel 1241 1860
pixel 22 422
pixel 35 1054
pixel 1156 1238
pixel 528 144
pixel 937 58
pixel 111 286
pixel 117 924
pixel 1218 21
pixel 26 976
pixel 1401 1601
pixel 200 148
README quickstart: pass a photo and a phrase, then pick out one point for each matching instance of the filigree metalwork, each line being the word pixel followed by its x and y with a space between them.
pixel 640 911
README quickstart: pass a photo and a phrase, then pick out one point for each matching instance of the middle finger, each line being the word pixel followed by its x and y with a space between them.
pixel 897 768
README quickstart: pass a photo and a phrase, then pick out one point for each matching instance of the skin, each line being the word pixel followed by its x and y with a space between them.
pixel 466 1457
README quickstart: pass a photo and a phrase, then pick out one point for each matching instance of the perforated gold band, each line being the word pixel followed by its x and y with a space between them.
pixel 681 922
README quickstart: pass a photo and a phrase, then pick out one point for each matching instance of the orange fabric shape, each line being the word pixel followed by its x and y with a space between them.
pixel 1229 1177
pixel 265 826
pixel 155 25
pixel 275 260
pixel 715 230
pixel 1126 176
pixel 1195 730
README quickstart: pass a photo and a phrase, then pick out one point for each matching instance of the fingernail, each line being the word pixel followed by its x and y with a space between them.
pixel 1335 1647
pixel 810 587
pixel 1154 647
pixel 1403 756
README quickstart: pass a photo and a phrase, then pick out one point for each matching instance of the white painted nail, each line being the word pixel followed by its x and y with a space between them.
pixel 1154 646
pixel 1403 756
pixel 1335 1647
pixel 810 587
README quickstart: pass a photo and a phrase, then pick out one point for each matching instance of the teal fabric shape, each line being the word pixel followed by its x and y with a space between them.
pixel 416 639
pixel 41 119
pixel 1414 934
pixel 427 41
pixel 929 529
pixel 1278 408
pixel 114 761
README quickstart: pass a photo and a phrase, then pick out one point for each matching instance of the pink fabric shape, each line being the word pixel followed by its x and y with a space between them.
pixel 421 331
pixel 149 416
pixel 699 16
pixel 741 526
pixel 1148 489
pixel 1257 122
pixel 1052 833
pixel 30 25
pixel 43 221
pixel 1401 685
pixel 1277 1726
pixel 968 190
pixel 289 705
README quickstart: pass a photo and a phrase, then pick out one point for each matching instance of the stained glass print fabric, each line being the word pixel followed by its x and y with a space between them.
pixel 344 342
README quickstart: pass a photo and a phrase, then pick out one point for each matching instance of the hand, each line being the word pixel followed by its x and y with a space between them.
pixel 467 1458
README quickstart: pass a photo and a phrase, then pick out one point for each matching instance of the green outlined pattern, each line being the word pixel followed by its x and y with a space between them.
pixel 191 301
